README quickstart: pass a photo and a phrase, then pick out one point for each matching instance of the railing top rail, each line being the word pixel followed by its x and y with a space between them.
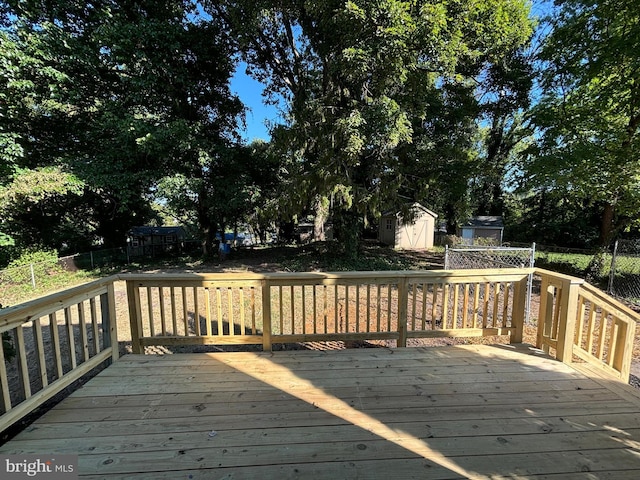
pixel 559 276
pixel 283 276
pixel 24 312
pixel 615 307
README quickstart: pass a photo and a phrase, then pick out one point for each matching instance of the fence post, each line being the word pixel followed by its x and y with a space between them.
pixel 33 276
pixel 91 255
pixel 612 270
pixel 403 299
pixel 266 316
pixel 446 257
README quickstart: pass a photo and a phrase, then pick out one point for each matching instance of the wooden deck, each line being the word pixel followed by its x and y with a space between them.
pixel 449 412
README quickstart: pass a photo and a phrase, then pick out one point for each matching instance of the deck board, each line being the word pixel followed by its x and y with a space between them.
pixel 446 412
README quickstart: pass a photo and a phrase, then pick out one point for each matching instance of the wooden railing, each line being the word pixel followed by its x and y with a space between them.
pixel 59 338
pixel 578 322
pixel 283 308
pixel 51 342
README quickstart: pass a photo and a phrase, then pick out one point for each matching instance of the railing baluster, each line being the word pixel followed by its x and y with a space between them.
pixel 315 316
pixel 232 323
pixel 465 306
pixel 253 311
pixel 496 301
pixel 207 298
pixel 42 363
pixel 83 331
pixel 601 334
pixel 357 308
pixel 485 305
pixel 266 316
pixel 219 311
pixel 152 322
pixel 368 307
pixel 293 310
pixel 414 301
pixel 505 305
pixel 379 307
pixel 242 316
pixel 23 365
pixel 580 324
pixel 71 342
pixel 325 314
pixel 590 327
pixel 346 308
pixel 281 309
pixel 174 313
pixel 424 306
pixel 613 337
pixel 434 305
pixel 55 340
pixel 304 310
pixel 445 305
pixel 4 382
pixel 389 307
pixel 185 312
pixel 162 311
pixel 476 303
pixel 196 311
pixel 94 325
pixel 456 301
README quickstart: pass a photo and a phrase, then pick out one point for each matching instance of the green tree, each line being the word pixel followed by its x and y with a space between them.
pixel 588 121
pixel 142 93
pixel 358 77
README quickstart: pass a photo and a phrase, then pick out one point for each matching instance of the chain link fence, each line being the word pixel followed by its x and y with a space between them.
pixel 624 276
pixel 470 257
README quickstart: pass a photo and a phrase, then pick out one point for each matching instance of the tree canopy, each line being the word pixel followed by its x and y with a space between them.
pixel 588 120
pixel 120 113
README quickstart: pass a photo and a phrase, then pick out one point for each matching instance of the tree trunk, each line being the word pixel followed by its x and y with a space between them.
pixel 321 208
pixel 606 226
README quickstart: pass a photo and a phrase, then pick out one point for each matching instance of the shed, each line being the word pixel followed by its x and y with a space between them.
pixel 146 240
pixel 482 227
pixel 417 234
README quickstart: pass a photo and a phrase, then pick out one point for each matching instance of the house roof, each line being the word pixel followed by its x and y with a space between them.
pixel 415 206
pixel 484 221
pixel 147 230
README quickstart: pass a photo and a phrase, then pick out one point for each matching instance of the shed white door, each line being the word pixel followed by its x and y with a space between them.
pixel 418 236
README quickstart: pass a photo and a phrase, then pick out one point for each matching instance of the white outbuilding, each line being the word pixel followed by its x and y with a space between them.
pixel 416 234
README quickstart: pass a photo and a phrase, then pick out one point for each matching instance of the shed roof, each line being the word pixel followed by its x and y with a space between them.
pixel 147 230
pixel 485 221
pixel 415 206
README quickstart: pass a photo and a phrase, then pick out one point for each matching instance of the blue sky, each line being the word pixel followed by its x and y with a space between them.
pixel 250 92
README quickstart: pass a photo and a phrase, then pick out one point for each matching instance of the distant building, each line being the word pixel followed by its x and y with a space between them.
pixel 417 234
pixel 152 241
pixel 488 228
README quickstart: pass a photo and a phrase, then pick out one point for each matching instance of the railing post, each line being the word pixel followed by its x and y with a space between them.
pixel 403 299
pixel 518 315
pixel 135 317
pixel 568 317
pixel 266 316
pixel 110 322
pixel 624 349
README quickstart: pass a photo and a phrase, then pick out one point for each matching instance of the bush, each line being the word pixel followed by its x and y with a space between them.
pixel 45 263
